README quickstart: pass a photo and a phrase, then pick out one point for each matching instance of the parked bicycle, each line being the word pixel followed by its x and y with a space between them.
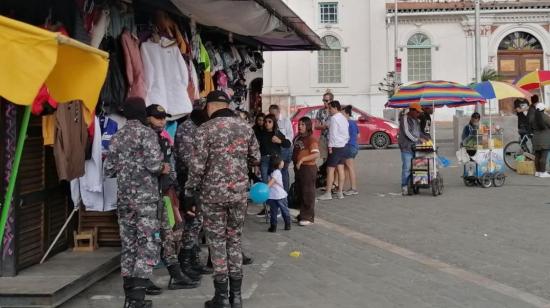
pixel 514 149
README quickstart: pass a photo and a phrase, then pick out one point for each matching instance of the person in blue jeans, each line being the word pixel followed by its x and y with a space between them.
pixel 271 142
pixel 409 135
pixel 352 150
pixel 285 127
pixel 277 195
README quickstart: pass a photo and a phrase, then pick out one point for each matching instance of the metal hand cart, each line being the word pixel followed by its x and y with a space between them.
pixel 424 173
pixel 486 165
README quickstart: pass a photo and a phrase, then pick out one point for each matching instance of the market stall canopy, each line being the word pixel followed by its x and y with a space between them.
pixel 270 22
pixel 32 56
pixel 437 93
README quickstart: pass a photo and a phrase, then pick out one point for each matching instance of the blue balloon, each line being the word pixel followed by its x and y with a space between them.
pixel 259 193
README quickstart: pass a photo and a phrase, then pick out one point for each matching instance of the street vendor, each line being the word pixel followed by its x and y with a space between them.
pixel 409 135
pixel 521 106
pixel 471 128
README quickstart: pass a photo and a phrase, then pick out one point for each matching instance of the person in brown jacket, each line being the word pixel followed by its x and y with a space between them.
pixel 305 155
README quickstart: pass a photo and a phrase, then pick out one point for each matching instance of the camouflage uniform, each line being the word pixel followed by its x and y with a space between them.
pixel 185 139
pixel 135 159
pixel 169 252
pixel 224 146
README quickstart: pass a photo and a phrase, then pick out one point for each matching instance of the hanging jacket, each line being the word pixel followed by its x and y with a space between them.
pixel 113 92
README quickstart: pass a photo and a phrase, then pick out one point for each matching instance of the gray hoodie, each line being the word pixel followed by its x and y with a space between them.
pixel 409 133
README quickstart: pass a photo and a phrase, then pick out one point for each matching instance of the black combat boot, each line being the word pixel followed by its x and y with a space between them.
pixel 135 294
pixel 152 289
pixel 196 263
pixel 247 260
pixel 185 258
pixel 178 280
pixel 221 297
pixel 272 229
pixel 126 285
pixel 235 297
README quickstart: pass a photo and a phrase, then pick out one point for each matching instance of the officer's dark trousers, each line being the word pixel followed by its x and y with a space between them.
pixel 140 249
pixel 223 223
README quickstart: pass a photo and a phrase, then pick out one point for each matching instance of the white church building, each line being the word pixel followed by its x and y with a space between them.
pixel 435 42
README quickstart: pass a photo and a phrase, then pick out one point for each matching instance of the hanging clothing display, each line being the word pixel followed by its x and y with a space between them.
pixel 167 26
pixel 108 128
pixel 122 18
pixel 44 103
pixel 166 77
pixel 71 135
pixel 193 87
pixel 115 88
pixel 48 129
pixel 100 28
pixel 96 192
pixel 134 65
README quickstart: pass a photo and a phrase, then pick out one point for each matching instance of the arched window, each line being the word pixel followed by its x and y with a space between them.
pixel 330 61
pixel 419 58
pixel 520 41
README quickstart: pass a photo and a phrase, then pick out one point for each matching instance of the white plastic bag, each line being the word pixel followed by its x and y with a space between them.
pixel 462 156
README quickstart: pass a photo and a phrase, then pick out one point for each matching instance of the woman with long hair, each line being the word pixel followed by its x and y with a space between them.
pixel 540 125
pixel 258 125
pixel 304 156
pixel 271 141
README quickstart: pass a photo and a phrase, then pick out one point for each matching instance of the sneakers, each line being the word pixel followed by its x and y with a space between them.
pixel 351 192
pixel 340 196
pixel 543 175
pixel 305 223
pixel 325 196
pixel 405 191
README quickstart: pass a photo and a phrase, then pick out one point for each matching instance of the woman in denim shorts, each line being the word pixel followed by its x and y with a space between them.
pixel 352 149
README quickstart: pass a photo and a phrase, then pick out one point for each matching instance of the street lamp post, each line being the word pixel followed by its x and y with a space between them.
pixel 395 44
pixel 397 74
pixel 478 45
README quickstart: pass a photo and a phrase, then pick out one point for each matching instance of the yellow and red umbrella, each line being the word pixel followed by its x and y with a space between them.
pixel 534 80
pixel 500 90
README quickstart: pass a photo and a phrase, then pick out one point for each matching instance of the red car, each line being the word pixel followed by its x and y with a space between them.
pixel 378 132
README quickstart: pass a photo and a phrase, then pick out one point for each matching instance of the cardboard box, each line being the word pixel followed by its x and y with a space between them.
pixel 526 167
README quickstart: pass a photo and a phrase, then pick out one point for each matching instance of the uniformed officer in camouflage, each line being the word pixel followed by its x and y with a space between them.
pixel 185 139
pixel 224 147
pixel 136 160
pixel 156 118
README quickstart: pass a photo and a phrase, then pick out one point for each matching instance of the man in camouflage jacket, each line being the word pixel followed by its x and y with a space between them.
pixel 136 160
pixel 185 139
pixel 224 147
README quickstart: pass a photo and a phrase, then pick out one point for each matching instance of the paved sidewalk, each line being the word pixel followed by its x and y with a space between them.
pixel 470 247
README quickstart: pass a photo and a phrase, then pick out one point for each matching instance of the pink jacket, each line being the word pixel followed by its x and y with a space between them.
pixel 134 65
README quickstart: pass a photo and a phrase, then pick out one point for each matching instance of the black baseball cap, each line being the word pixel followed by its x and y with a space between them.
pixel 218 96
pixel 157 111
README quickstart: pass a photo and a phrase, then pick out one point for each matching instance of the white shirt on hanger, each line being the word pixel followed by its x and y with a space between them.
pixel 166 77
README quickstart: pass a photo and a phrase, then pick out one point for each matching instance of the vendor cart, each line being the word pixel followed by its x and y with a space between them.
pixel 424 173
pixel 486 164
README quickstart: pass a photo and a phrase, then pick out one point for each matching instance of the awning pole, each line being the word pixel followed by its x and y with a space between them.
pixel 14 171
pixel 76 208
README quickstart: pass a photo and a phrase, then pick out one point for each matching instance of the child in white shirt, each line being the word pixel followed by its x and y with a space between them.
pixel 277 195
